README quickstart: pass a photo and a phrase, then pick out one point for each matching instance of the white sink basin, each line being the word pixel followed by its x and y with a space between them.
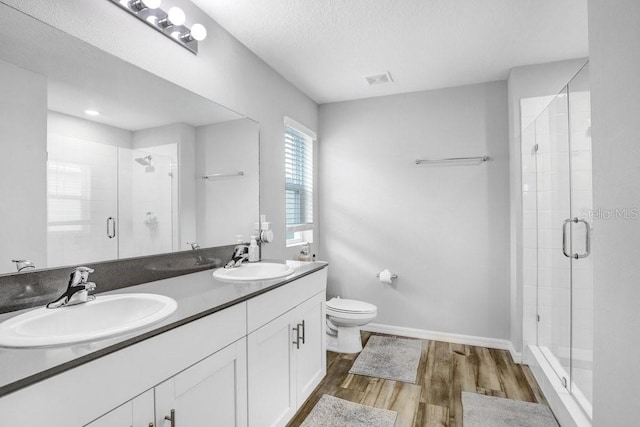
pixel 103 317
pixel 253 272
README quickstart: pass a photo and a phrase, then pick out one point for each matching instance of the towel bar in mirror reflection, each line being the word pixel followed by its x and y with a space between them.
pixel 477 159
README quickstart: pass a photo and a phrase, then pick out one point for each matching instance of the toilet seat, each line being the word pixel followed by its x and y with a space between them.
pixel 349 306
pixel 344 319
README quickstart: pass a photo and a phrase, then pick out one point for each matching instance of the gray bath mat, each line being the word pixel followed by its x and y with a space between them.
pixel 334 412
pixel 480 411
pixel 389 358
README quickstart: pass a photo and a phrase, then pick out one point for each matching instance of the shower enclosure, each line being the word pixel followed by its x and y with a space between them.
pixel 107 201
pixel 557 217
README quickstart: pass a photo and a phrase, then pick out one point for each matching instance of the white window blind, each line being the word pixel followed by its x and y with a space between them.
pixel 298 157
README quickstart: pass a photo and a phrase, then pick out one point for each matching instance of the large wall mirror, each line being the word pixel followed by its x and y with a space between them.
pixel 102 160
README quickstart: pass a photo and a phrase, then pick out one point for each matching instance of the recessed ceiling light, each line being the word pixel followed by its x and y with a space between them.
pixel 377 79
pixel 92 112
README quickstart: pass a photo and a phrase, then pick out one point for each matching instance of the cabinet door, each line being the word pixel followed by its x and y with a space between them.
pixel 272 400
pixel 213 392
pixel 137 412
pixel 311 357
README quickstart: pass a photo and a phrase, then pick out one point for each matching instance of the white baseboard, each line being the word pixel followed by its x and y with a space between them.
pixel 424 334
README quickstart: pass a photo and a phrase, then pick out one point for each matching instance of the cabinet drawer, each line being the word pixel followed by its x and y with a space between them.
pixel 266 307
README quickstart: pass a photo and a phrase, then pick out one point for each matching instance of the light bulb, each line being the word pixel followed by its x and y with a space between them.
pixel 92 112
pixel 152 4
pixel 176 16
pixel 198 32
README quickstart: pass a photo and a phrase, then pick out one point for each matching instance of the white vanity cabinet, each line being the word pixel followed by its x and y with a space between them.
pixel 253 363
pixel 286 351
pixel 171 366
pixel 138 412
pixel 213 390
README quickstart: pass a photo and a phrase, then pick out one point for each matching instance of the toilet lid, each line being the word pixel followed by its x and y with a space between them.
pixel 350 306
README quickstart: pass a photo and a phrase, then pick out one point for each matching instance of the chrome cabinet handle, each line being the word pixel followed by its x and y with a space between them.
pixel 111 233
pixel 297 341
pixel 301 325
pixel 171 418
pixel 564 237
pixel 587 238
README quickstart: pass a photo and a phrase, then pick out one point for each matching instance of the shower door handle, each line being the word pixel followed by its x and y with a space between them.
pixel 564 237
pixel 111 227
pixel 587 250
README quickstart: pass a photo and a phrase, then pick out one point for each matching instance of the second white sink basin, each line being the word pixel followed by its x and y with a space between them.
pixel 253 272
pixel 106 316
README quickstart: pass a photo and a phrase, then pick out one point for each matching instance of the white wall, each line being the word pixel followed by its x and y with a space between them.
pixel 614 40
pixel 87 130
pixel 23 120
pixel 526 82
pixel 226 206
pixel 443 229
pixel 224 71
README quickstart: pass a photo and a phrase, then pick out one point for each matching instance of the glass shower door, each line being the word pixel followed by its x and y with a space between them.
pixel 582 261
pixel 82 201
pixel 553 182
pixel 564 216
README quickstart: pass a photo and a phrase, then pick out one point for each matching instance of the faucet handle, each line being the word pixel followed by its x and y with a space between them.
pixel 79 275
pixel 241 249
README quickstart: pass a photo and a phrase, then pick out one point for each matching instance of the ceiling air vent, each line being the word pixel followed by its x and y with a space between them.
pixel 379 79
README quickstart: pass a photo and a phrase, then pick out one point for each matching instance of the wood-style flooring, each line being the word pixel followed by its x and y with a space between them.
pixel 444 372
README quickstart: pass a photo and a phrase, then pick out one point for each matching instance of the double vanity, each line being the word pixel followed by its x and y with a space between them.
pixel 169 341
pixel 235 348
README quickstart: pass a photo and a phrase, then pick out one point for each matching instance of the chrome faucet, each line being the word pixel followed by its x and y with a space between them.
pixel 78 289
pixel 24 264
pixel 240 255
pixel 194 245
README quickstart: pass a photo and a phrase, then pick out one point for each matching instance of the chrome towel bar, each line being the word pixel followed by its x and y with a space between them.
pixel 480 159
pixel 222 175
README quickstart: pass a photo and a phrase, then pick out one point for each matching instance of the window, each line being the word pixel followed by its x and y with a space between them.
pixel 68 188
pixel 298 160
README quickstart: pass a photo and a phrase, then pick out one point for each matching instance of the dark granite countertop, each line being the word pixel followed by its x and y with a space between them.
pixel 197 294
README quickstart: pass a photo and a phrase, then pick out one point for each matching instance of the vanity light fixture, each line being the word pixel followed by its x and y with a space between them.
pixel 139 5
pixel 170 23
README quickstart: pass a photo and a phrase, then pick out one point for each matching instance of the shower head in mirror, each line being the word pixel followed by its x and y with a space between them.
pixel 144 161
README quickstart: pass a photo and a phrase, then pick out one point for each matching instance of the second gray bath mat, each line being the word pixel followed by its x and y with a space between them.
pixel 390 358
pixel 331 411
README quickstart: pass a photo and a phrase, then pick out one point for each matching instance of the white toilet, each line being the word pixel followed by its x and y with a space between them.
pixel 344 319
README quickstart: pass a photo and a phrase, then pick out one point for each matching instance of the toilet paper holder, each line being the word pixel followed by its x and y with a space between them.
pixel 393 276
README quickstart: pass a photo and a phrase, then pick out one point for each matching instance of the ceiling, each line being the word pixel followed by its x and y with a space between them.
pixel 327 47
